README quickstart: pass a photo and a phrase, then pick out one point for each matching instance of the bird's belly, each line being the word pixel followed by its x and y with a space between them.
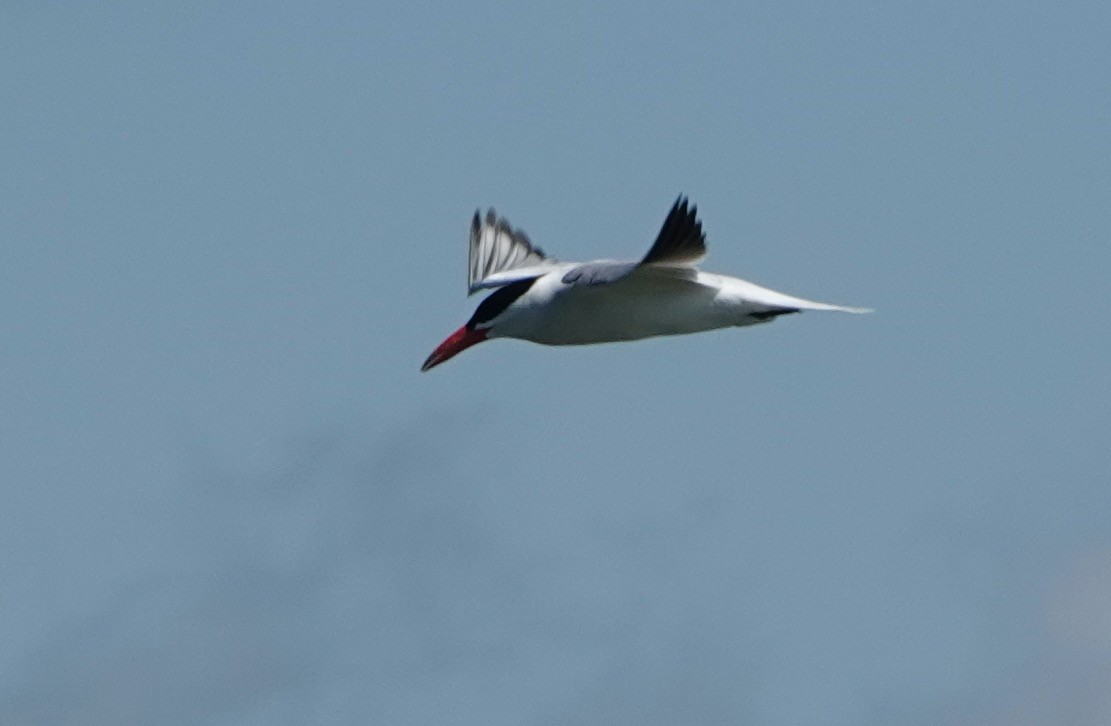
pixel 586 319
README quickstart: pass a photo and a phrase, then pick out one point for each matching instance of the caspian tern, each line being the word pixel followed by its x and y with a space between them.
pixel 577 303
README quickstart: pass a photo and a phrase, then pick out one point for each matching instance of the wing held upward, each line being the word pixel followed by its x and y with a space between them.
pixel 681 240
pixel 680 244
pixel 498 253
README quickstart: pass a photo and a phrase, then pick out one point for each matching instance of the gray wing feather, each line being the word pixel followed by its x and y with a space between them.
pixel 603 272
pixel 681 240
pixel 680 243
pixel 496 247
pixel 599 273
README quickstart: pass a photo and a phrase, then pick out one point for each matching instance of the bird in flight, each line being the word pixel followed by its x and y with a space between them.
pixel 540 299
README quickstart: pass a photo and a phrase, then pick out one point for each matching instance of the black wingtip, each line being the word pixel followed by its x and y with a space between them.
pixel 766 315
pixel 681 239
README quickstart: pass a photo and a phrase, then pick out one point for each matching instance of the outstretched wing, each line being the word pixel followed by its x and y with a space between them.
pixel 681 240
pixel 680 244
pixel 500 254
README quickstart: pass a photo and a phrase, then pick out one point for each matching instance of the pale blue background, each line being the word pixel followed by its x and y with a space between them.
pixel 231 232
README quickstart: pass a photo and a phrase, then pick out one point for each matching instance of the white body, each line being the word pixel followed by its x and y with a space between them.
pixel 654 300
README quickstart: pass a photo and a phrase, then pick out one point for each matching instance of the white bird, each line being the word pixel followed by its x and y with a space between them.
pixel 577 303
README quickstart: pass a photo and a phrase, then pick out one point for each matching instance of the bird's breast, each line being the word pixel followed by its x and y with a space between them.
pixel 628 310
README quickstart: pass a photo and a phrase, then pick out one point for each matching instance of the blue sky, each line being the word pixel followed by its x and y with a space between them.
pixel 231 233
